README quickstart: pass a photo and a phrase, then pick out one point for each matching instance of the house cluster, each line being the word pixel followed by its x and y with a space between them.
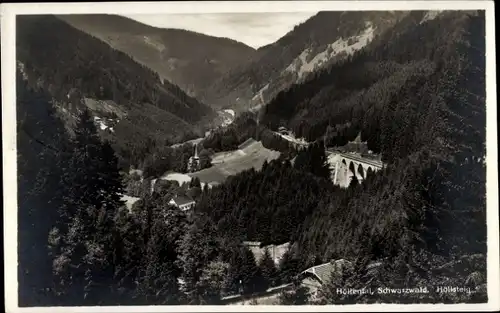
pixel 359 147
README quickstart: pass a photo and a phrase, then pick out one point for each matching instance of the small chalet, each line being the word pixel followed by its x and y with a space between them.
pixel 183 203
pixel 314 277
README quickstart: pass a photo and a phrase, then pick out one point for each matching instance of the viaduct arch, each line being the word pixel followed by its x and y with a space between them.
pixel 348 165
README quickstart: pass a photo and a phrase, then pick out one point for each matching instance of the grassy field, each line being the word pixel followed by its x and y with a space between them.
pixel 228 164
pixel 225 164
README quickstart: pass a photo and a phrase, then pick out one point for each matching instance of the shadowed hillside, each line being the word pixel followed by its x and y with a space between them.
pixel 188 59
pixel 79 70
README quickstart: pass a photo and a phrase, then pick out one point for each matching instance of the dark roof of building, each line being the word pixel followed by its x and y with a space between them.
pixel 324 271
pixel 181 200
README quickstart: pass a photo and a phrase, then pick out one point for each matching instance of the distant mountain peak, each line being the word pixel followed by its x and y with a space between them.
pixel 307 62
pixel 189 59
pixel 324 38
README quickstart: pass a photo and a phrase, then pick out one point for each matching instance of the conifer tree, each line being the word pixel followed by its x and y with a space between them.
pixel 92 175
pixel 354 182
pixel 244 274
pixel 128 256
pixel 86 231
pixel 265 165
pixel 197 248
pixel 268 269
pixel 249 271
pixel 289 266
pixel 299 295
pixel 213 282
pixel 42 144
pixel 158 277
pixel 109 173
pixel 321 167
pixel 302 159
pixel 195 182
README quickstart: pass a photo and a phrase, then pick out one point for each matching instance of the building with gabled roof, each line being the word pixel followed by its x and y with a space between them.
pixel 183 202
pixel 314 277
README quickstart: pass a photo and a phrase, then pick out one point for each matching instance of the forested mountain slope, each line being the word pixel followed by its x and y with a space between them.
pixel 324 38
pixel 74 237
pixel 431 131
pixel 387 90
pixel 79 71
pixel 418 98
pixel 188 59
pixel 41 143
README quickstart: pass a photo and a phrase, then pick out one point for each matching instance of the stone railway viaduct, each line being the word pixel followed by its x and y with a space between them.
pixel 343 165
pixel 346 165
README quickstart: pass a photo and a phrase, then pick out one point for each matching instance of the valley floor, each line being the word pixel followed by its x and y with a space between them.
pixel 225 164
pixel 252 156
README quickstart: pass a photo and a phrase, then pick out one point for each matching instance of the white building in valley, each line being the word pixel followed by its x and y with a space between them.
pixel 183 203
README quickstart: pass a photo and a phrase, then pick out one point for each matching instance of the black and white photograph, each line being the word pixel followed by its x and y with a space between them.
pixel 302 155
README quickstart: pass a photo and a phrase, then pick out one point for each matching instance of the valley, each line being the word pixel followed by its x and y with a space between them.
pixel 250 155
pixel 167 167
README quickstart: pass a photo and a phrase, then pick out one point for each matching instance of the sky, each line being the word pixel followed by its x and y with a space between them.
pixel 253 29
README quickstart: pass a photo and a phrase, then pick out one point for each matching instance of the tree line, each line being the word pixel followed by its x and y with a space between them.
pixel 244 127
